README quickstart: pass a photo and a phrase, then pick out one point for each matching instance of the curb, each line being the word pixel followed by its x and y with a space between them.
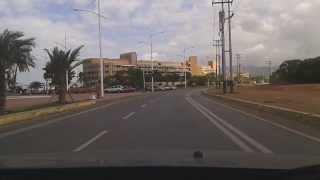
pixel 28 115
pixel 277 109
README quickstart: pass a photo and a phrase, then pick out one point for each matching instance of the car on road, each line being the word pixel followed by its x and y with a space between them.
pixel 114 89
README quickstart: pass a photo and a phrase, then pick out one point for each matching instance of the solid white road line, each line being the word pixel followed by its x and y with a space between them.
pixel 241 134
pixel 237 131
pixel 39 125
pixel 129 115
pixel 235 139
pixel 143 106
pixel 270 122
pixel 83 146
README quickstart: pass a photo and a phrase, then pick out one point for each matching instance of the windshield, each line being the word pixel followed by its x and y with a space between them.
pixel 234 83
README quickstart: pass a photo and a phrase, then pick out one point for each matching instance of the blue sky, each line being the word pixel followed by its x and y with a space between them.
pixel 260 28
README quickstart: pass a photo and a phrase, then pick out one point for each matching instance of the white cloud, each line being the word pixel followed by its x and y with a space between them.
pixel 255 49
pixel 303 7
pixel 280 29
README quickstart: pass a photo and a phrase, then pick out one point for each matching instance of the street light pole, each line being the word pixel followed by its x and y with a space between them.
pixel 67 72
pixel 151 58
pixel 100 42
pixel 100 52
pixel 144 80
pixel 185 68
pixel 186 61
pixel 230 49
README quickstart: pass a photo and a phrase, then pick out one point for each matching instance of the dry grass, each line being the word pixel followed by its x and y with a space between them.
pixel 299 97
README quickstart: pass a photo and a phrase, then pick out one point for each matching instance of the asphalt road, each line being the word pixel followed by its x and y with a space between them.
pixel 173 120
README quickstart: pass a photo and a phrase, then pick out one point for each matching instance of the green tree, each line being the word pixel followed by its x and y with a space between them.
pixel 82 79
pixel 121 77
pixel 60 63
pixel 198 81
pixel 211 77
pixel 15 53
pixel 298 71
pixel 157 76
pixel 135 77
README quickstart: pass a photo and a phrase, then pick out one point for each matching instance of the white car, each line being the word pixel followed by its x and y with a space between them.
pixel 173 87
pixel 114 89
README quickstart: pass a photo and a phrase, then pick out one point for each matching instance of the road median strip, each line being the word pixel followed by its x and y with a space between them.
pixel 28 115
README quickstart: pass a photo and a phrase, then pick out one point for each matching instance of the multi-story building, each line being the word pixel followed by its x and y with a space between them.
pixel 162 66
pixel 91 67
pixel 211 68
pixel 194 67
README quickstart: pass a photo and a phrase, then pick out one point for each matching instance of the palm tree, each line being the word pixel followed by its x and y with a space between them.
pixel 60 63
pixel 14 52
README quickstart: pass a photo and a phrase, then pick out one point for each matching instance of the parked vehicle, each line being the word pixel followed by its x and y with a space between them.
pixel 173 88
pixel 162 88
pixel 128 89
pixel 114 89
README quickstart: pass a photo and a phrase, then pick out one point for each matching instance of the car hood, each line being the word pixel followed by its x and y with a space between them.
pixel 145 158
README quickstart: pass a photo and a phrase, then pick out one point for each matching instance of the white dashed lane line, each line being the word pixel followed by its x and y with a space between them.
pixel 86 144
pixel 129 115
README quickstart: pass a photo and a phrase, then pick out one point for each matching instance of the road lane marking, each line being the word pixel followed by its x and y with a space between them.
pixel 143 106
pixel 271 123
pixel 235 139
pixel 236 131
pixel 83 146
pixel 129 115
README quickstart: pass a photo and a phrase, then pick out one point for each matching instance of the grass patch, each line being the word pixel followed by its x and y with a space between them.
pixel 31 108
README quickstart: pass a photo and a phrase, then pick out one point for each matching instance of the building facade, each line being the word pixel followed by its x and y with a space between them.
pixel 91 67
pixel 162 66
pixel 194 67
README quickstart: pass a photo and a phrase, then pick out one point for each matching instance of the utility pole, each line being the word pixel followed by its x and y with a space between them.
pixel 222 31
pixel 230 48
pixel 217 44
pixel 238 67
pixel 222 21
